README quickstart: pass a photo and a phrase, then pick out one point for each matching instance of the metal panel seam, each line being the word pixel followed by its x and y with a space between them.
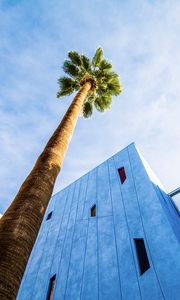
pixel 114 233
pixel 72 240
pixel 97 238
pixel 84 260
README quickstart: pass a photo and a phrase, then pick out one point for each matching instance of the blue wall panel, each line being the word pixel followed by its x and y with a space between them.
pixel 67 247
pixel 82 196
pixel 90 197
pixel 172 212
pixel 56 259
pixel 74 281
pixel 90 278
pixel 109 282
pixel 103 191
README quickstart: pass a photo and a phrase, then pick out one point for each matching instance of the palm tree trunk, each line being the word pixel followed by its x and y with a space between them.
pixel 20 224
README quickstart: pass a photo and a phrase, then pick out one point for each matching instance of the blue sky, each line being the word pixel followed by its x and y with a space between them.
pixel 141 38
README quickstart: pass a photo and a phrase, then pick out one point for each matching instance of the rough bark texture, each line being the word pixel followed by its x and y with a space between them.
pixel 20 224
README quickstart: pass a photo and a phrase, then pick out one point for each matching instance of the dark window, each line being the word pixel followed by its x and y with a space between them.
pixel 51 288
pixel 93 211
pixel 49 216
pixel 122 174
pixel 142 255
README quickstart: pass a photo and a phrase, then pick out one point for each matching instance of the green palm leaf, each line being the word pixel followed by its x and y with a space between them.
pixel 75 58
pixel 87 109
pixel 102 103
pixel 105 65
pixel 91 98
pixel 70 69
pixel 67 86
pixel 97 57
pixel 108 76
pixel 114 87
pixel 86 63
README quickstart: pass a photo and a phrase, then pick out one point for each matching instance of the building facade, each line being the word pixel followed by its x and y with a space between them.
pixel 112 234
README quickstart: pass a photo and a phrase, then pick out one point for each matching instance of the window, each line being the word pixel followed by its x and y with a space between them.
pixel 51 288
pixel 49 216
pixel 142 255
pixel 122 174
pixel 93 210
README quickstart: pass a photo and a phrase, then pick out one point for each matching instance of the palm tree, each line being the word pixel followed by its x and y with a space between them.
pixel 95 83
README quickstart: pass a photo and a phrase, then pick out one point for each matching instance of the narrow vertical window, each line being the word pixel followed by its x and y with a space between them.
pixel 93 210
pixel 51 288
pixel 122 174
pixel 142 255
pixel 49 216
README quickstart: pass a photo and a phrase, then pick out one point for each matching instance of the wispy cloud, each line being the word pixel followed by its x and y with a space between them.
pixel 142 40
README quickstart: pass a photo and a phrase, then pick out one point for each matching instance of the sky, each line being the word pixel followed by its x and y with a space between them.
pixel 140 38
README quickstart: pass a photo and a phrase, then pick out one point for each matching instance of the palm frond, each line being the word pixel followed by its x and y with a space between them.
pixel 114 87
pixel 66 86
pixel 102 89
pixel 108 76
pixel 102 103
pixel 97 57
pixel 98 74
pixel 91 97
pixel 75 58
pixel 86 63
pixel 103 86
pixel 70 69
pixel 87 109
pixel 105 65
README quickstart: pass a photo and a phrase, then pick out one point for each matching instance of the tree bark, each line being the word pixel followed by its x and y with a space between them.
pixel 20 224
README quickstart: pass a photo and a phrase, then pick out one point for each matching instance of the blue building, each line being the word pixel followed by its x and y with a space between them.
pixel 113 234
